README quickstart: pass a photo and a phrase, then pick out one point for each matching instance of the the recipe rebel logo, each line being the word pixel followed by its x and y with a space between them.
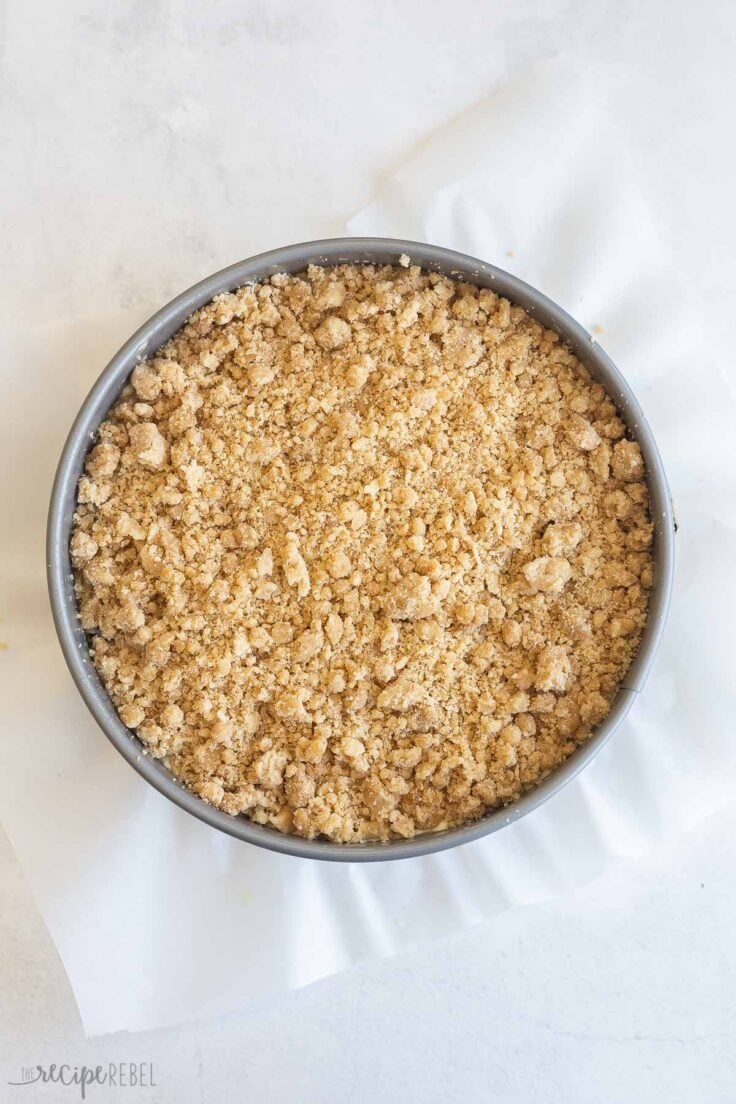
pixel 124 1075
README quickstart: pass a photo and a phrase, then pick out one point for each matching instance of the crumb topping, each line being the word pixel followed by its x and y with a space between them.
pixel 362 552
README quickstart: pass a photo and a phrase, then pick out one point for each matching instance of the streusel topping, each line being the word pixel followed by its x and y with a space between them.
pixel 362 552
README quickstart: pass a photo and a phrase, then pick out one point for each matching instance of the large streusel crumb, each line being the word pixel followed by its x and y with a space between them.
pixel 362 552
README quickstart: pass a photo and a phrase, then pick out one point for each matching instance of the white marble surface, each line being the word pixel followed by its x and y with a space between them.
pixel 144 144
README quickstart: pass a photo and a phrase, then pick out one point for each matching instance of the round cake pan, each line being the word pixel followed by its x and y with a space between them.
pixel 150 337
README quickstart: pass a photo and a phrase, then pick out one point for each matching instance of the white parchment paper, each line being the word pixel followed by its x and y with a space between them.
pixel 159 919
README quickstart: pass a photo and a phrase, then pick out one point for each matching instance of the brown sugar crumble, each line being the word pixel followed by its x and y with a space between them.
pixel 362 552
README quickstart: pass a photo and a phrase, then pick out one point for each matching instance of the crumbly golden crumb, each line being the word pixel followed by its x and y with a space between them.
pixel 362 552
